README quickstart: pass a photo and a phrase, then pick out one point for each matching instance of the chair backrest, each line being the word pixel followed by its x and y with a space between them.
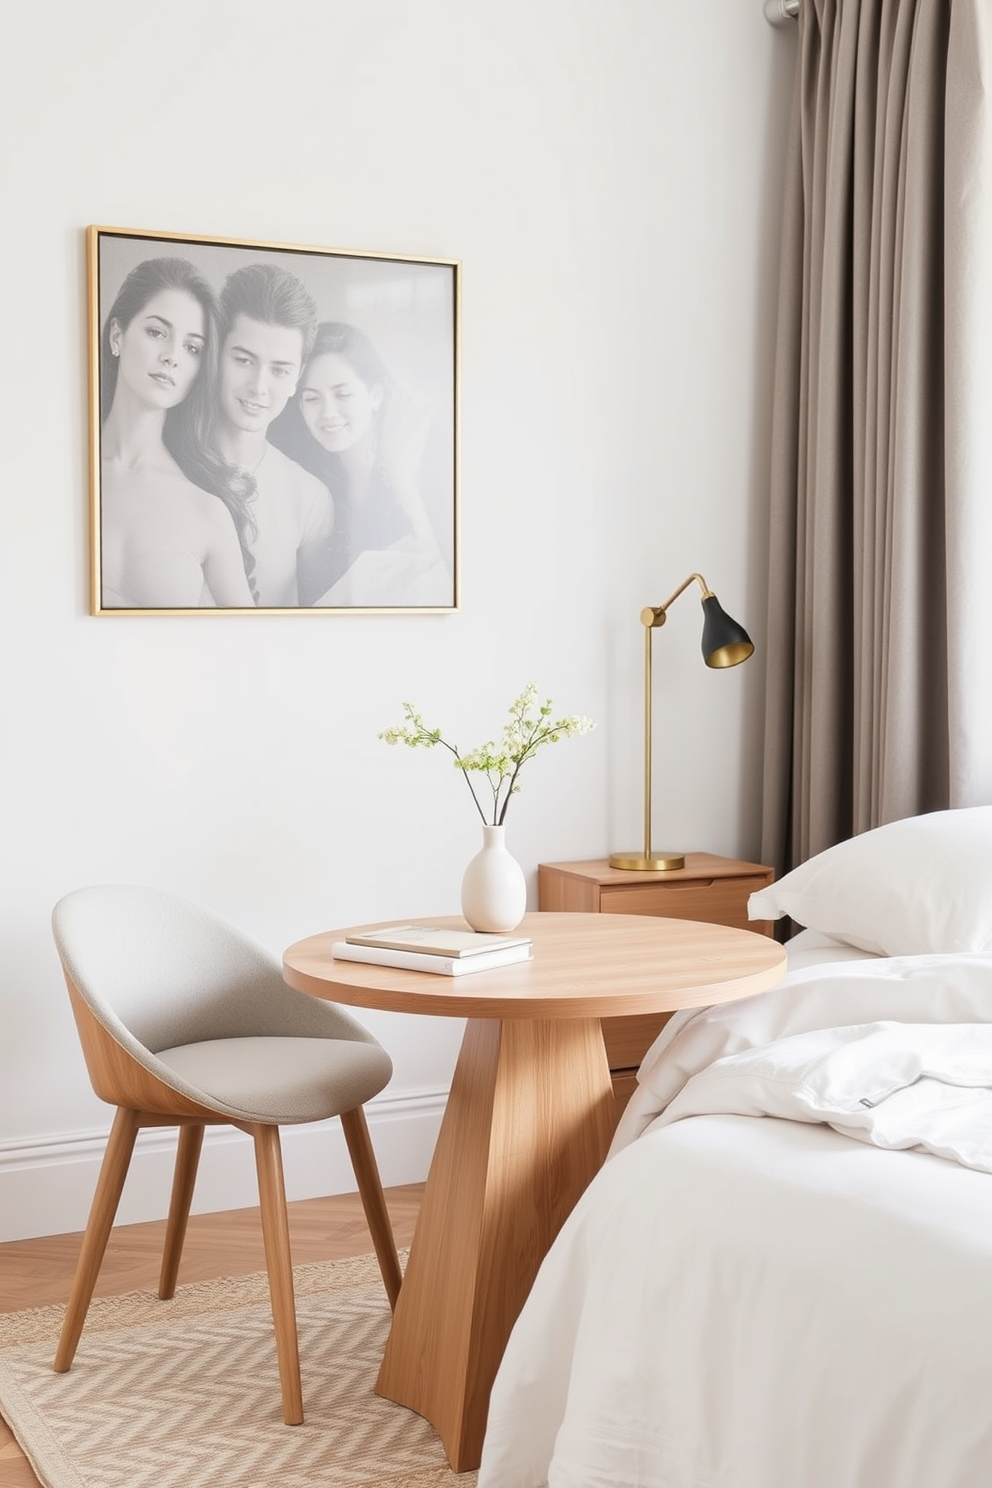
pixel 158 971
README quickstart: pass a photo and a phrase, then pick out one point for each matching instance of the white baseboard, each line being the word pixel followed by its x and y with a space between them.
pixel 47 1184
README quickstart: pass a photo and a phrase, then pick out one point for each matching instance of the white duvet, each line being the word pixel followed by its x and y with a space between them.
pixel 739 1302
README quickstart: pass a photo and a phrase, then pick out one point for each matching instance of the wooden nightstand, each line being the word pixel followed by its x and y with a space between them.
pixel 708 888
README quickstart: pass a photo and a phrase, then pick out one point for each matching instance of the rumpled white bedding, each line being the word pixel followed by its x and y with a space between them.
pixel 764 1303
pixel 843 1004
pixel 892 1084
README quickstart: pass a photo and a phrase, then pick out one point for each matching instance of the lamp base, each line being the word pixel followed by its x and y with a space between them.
pixel 656 862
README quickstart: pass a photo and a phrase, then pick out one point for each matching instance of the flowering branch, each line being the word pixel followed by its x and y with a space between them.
pixel 415 733
pixel 523 735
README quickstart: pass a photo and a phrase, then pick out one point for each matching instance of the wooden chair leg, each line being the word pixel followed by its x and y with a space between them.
pixel 113 1171
pixel 279 1265
pixel 356 1134
pixel 183 1182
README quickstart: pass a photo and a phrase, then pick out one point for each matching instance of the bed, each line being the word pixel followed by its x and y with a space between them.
pixel 782 1276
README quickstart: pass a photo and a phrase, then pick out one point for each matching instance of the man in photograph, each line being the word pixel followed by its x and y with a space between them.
pixel 268 322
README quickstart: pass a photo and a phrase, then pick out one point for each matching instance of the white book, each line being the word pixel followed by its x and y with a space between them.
pixel 436 940
pixel 344 950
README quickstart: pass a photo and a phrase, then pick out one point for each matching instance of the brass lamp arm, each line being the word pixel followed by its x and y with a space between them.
pixel 655 615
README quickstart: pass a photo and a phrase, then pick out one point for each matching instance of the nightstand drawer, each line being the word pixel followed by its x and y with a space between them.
pixel 627 1040
pixel 719 901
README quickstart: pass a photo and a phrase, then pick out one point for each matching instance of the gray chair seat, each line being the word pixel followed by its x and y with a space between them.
pixel 278 1080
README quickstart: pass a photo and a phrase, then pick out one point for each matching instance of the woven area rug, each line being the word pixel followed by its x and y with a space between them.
pixel 185 1393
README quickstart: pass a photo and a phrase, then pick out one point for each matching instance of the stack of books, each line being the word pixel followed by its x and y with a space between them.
pixel 431 948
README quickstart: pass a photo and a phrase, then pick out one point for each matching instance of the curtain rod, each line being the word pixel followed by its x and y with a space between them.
pixel 779 12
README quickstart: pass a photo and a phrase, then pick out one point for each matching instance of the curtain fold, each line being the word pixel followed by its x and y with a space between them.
pixel 879 690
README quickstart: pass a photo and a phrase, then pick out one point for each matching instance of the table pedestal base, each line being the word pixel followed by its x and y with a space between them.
pixel 527 1125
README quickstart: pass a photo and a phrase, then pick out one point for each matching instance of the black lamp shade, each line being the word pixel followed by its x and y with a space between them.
pixel 725 643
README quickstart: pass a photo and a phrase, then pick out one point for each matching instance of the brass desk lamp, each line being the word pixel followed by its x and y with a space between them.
pixel 725 644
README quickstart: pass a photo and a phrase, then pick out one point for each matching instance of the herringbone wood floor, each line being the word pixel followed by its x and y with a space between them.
pixel 35 1273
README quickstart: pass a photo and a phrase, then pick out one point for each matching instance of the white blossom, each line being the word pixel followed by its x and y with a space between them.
pixel 501 763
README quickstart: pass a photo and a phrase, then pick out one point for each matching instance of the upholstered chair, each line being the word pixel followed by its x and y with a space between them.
pixel 184 1021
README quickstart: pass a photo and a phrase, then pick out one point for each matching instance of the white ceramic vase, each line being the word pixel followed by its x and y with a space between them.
pixel 494 893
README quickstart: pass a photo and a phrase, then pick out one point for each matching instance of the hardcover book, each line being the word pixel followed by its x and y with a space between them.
pixel 432 940
pixel 344 950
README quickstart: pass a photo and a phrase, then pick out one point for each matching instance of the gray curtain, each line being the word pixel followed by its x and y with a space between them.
pixel 879 683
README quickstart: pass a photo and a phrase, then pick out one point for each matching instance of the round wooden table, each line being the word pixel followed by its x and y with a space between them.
pixel 527 1124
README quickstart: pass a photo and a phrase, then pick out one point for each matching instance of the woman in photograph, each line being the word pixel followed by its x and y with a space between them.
pixel 174 517
pixel 350 425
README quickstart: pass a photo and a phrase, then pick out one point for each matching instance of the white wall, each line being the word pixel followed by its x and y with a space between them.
pixel 608 172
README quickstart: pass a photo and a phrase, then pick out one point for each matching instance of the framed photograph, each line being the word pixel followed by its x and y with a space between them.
pixel 274 429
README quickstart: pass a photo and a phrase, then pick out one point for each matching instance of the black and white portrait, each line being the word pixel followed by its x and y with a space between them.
pixel 273 428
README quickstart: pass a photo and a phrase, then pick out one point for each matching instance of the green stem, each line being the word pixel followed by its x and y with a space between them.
pixel 482 814
pixel 452 750
pixel 525 754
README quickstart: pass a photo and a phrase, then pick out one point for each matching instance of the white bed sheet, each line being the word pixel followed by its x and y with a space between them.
pixel 756 1304
pixel 759 1303
pixel 815 948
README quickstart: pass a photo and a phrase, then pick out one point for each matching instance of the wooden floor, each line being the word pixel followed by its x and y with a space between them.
pixel 35 1273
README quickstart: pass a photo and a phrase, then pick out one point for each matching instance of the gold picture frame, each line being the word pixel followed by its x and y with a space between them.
pixel 273 428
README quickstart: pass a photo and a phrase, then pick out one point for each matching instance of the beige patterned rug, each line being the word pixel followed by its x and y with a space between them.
pixel 185 1393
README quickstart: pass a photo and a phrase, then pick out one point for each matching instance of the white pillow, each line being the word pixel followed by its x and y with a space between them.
pixel 906 889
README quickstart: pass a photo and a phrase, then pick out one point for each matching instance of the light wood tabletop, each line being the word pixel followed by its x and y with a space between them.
pixel 527 1123
pixel 585 965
